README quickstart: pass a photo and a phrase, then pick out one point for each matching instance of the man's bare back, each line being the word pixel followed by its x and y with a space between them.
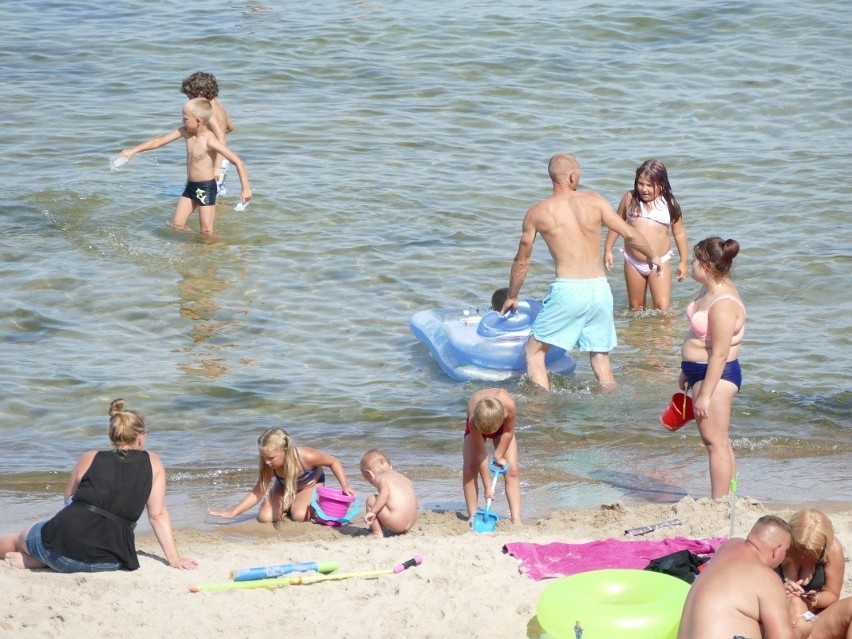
pixel 570 225
pixel 739 594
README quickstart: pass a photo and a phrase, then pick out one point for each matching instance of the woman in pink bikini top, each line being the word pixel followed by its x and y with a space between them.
pixel 710 366
pixel 699 322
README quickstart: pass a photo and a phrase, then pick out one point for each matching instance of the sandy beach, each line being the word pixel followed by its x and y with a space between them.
pixel 466 585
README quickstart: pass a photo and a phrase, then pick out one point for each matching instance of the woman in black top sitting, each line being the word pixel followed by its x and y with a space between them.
pixel 106 495
pixel 813 568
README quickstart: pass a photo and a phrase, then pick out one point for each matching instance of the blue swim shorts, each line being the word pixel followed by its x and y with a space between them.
pixel 577 313
pixel 203 193
pixel 696 372
pixel 57 562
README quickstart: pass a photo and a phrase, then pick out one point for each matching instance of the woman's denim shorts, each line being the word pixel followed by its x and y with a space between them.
pixel 60 563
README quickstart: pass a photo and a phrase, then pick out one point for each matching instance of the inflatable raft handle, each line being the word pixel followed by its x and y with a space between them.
pixel 493 324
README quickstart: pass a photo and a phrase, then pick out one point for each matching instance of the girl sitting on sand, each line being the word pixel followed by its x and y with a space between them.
pixel 287 477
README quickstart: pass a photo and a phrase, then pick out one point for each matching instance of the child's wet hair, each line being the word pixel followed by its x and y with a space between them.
pixel 656 173
pixel 200 85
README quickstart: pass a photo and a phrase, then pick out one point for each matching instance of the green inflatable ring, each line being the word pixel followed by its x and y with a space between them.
pixel 605 604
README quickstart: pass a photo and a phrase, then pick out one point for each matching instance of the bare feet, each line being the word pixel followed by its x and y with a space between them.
pixel 15 559
pixel 20 560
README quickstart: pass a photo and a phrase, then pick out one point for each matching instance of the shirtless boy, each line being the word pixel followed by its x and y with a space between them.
pixel 578 310
pixel 394 507
pixel 204 85
pixel 491 414
pixel 202 146
pixel 739 594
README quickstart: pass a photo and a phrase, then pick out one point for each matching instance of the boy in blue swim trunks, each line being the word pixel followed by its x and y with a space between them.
pixel 202 148
pixel 578 309
pixel 204 85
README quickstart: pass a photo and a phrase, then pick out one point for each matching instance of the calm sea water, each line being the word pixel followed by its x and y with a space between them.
pixel 393 149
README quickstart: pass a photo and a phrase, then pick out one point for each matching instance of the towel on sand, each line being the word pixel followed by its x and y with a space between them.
pixel 545 561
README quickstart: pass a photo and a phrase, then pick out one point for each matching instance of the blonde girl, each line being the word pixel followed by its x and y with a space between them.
pixel 287 477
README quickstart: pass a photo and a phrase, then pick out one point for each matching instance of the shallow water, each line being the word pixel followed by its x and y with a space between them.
pixel 392 152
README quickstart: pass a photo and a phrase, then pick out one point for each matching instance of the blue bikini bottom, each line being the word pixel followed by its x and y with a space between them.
pixel 696 371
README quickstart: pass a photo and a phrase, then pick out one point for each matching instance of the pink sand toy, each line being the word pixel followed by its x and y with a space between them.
pixel 333 507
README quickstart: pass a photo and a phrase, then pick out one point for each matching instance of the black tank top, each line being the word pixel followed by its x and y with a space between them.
pixel 119 484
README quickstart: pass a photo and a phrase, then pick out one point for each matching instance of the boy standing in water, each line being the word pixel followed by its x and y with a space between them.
pixel 394 507
pixel 204 85
pixel 202 147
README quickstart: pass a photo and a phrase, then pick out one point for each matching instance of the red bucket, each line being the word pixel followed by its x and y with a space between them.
pixel 679 412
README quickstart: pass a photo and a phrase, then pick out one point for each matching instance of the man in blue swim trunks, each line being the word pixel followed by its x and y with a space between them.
pixel 577 311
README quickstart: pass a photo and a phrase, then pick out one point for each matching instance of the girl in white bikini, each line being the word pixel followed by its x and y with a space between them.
pixel 652 208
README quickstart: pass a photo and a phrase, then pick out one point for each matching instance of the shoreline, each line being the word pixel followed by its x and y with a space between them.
pixel 466 585
pixel 187 515
pixel 246 526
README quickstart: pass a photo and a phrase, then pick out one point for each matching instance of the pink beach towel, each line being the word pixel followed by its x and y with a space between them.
pixel 545 561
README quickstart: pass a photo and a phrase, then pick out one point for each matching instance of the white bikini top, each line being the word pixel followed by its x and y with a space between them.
pixel 656 211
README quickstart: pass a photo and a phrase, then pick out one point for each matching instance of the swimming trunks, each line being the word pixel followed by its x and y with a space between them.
pixel 697 371
pixel 699 321
pixel 203 193
pixel 643 267
pixel 577 313
pixel 493 435
pixel 656 211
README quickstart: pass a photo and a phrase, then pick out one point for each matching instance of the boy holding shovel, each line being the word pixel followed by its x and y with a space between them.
pixel 491 414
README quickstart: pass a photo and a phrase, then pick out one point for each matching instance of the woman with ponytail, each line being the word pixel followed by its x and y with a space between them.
pixel 710 366
pixel 105 496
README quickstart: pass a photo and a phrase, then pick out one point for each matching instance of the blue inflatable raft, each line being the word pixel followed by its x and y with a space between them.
pixel 472 343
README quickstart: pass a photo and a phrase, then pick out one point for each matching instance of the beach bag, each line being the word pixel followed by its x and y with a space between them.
pixel 682 564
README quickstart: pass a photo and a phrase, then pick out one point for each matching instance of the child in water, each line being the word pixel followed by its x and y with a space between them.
pixel 652 208
pixel 202 148
pixel 394 507
pixel 287 477
pixel 204 85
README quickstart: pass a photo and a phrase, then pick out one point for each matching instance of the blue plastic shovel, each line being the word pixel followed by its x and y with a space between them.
pixel 484 521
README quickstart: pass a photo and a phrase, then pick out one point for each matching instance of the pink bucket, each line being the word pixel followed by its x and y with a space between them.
pixel 333 507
